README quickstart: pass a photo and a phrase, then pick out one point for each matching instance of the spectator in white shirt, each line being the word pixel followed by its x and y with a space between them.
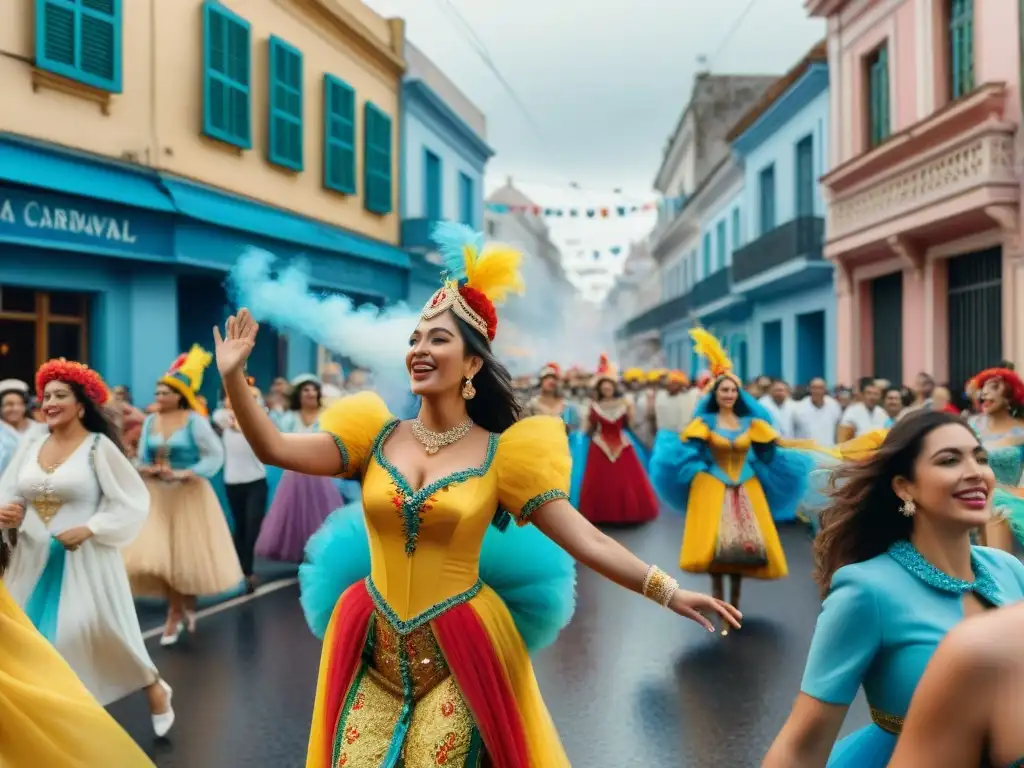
pixel 245 482
pixel 674 405
pixel 864 416
pixel 781 407
pixel 817 416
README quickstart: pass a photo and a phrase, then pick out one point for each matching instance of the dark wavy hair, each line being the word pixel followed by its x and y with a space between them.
pixel 863 518
pixel 94 418
pixel 616 389
pixel 295 398
pixel 495 407
pixel 740 407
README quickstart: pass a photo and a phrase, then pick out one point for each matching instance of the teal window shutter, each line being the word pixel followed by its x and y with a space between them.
pixel 805 176
pixel 227 74
pixel 961 47
pixel 376 160
pixel 81 40
pixel 433 180
pixel 720 244
pixel 339 136
pixel 466 207
pixel 878 96
pixel 767 199
pixel 735 229
pixel 284 145
pixel 706 257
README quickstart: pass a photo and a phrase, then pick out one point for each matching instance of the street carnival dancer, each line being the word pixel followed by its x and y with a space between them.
pixel 897 571
pixel 550 401
pixel 609 479
pixel 82 501
pixel 423 660
pixel 185 549
pixel 301 502
pixel 728 470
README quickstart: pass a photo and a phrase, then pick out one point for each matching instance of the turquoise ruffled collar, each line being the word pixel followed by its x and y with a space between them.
pixel 906 554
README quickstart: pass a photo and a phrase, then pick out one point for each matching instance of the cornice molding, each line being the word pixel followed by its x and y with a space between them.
pixel 334 15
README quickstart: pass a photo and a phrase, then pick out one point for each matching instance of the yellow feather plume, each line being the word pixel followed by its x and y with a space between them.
pixel 708 346
pixel 494 271
pixel 194 365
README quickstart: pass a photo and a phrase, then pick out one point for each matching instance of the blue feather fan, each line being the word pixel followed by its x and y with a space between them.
pixel 451 239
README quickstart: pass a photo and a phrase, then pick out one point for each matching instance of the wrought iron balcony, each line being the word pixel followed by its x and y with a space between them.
pixel 710 289
pixel 800 238
pixel 656 317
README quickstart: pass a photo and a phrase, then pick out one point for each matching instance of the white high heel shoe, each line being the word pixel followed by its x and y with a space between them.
pixel 168 640
pixel 163 721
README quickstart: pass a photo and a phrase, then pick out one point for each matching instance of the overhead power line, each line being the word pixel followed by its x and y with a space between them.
pixel 732 31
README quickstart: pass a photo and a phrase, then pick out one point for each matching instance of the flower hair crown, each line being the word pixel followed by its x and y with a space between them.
pixel 477 276
pixel 71 372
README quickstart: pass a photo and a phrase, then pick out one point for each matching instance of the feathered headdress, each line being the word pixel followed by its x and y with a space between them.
pixel 633 374
pixel 71 372
pixel 478 276
pixel 185 376
pixel 718 361
pixel 606 371
pixel 677 377
pixel 551 369
pixel 656 375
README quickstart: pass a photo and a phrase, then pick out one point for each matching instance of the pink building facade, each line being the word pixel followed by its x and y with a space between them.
pixel 924 195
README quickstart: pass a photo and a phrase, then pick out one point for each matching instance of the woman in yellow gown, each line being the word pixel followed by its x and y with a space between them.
pixel 424 663
pixel 728 470
pixel 47 717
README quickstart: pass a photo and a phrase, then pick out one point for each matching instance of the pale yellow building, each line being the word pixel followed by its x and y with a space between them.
pixel 145 144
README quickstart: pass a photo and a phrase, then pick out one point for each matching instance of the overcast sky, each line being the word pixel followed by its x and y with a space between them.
pixel 603 82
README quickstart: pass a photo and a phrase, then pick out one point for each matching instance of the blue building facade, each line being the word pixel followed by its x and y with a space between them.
pixel 123 267
pixel 779 270
pixel 442 172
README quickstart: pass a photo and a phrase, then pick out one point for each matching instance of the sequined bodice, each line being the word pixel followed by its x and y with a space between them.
pixel 179 450
pixel 65 497
pixel 425 545
pixel 1005 451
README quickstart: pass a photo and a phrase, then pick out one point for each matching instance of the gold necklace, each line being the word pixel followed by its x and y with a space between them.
pixel 435 441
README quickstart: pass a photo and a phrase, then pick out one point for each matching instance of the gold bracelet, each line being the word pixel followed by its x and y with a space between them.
pixel 659 586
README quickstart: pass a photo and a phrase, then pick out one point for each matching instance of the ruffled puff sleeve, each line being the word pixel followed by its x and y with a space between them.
pixel 355 422
pixel 677 459
pixel 533 466
pixel 782 472
pixel 1009 504
pixel 124 504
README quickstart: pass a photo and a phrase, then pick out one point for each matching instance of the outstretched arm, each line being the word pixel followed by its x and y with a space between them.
pixel 603 554
pixel 310 454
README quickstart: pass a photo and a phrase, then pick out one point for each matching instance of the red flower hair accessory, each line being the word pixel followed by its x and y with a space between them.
pixel 71 372
pixel 1012 382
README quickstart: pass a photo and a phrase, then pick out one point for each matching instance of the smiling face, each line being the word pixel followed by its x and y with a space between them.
pixel 726 394
pixel 309 396
pixel 993 396
pixel 60 406
pixel 438 361
pixel 605 389
pixel 953 481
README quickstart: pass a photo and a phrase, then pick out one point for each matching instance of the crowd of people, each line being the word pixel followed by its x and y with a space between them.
pixel 439 547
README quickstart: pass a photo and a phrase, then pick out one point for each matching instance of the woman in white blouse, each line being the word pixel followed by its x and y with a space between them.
pixel 83 500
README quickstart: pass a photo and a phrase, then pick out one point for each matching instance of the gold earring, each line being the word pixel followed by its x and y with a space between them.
pixel 468 390
pixel 909 508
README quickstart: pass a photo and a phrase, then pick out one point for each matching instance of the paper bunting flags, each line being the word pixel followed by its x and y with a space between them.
pixel 609 212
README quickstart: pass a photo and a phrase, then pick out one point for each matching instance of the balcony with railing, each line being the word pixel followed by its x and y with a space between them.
pixel 711 289
pixel 793 244
pixel 416 234
pixel 657 317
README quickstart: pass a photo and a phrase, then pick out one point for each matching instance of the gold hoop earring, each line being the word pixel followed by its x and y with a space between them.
pixel 468 390
pixel 909 508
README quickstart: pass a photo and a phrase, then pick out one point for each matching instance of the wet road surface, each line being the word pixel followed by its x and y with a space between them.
pixel 627 683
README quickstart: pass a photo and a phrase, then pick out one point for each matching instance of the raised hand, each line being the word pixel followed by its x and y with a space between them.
pixel 234 348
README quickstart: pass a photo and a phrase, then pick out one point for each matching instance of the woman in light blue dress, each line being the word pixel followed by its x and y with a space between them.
pixel 898 571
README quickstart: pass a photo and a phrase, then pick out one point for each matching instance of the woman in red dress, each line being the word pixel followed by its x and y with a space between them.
pixel 609 482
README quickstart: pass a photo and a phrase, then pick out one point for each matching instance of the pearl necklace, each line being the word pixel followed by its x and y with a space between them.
pixel 435 441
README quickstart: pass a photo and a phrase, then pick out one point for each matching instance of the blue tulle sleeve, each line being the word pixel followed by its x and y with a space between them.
pixel 534 577
pixel 1011 507
pixel 782 472
pixel 675 462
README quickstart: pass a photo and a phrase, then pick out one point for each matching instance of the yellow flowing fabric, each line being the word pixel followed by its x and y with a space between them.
pixel 707 497
pixel 47 718
pixel 526 466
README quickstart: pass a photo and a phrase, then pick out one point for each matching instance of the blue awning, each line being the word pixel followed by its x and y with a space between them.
pixel 225 210
pixel 37 164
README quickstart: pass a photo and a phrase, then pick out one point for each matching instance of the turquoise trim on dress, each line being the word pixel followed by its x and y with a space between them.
pixel 539 501
pixel 43 605
pixel 906 554
pixel 404 627
pixel 412 503
pixel 343 451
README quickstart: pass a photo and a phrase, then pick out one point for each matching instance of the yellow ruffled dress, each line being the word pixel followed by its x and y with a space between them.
pixel 422 662
pixel 47 717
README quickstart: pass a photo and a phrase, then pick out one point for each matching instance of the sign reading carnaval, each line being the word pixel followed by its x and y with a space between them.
pixel 42 216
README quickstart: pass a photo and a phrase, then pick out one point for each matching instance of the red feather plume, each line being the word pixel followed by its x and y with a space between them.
pixel 178 362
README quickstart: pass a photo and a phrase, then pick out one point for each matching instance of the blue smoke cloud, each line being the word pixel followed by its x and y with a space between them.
pixel 372 338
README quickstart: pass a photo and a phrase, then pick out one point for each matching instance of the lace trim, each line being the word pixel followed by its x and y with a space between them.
pixel 404 627
pixel 539 501
pixel 904 553
pixel 613 454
